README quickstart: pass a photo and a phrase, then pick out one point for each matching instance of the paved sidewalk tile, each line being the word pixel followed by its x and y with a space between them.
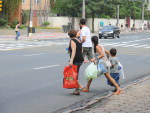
pixel 43 35
pixel 135 99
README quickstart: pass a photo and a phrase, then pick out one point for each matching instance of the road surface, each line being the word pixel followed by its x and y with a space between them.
pixel 31 76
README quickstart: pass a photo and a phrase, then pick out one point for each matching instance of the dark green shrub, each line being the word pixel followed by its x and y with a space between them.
pixel 25 16
pixel 45 23
pixel 23 26
pixel 3 22
pixel 14 23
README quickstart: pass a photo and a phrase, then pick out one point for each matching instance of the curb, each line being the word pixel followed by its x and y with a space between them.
pixel 89 104
pixel 55 34
pixel 30 39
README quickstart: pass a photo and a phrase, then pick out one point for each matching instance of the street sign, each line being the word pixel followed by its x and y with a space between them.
pixel 31 29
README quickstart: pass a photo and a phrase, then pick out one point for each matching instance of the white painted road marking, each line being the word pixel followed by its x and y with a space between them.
pixel 131 45
pixel 135 40
pixel 34 54
pixel 46 67
pixel 126 45
pixel 23 45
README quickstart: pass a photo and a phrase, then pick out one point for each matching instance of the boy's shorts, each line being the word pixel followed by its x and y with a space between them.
pixel 87 51
pixel 115 76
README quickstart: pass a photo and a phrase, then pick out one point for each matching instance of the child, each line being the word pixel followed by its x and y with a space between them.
pixel 114 72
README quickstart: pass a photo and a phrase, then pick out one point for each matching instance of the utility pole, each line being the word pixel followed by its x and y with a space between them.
pixel 117 24
pixel 143 15
pixel 31 19
pixel 83 9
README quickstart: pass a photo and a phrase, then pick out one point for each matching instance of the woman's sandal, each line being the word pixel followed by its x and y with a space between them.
pixel 75 93
pixel 118 92
pixel 78 91
pixel 85 90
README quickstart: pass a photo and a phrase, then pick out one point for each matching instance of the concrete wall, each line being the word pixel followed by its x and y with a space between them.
pixel 59 21
pixel 106 22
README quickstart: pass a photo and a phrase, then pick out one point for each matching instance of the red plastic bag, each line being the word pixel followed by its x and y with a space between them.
pixel 70 77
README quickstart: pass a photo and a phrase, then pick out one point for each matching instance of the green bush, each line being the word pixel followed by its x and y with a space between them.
pixel 14 23
pixel 5 27
pixel 25 16
pixel 23 26
pixel 48 27
pixel 45 23
pixel 3 22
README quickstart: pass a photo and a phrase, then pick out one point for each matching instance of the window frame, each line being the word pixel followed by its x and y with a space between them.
pixel 23 1
pixel 37 2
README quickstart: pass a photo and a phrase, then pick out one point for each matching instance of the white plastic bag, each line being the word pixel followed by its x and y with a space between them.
pixel 91 71
pixel 101 66
pixel 121 72
pixel 100 71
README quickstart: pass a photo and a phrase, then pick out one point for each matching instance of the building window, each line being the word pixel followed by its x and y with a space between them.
pixel 23 1
pixel 37 1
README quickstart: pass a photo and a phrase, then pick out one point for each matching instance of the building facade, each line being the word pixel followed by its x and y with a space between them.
pixel 37 4
pixel 41 8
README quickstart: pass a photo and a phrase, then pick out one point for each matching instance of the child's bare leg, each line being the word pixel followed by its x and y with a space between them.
pixel 113 82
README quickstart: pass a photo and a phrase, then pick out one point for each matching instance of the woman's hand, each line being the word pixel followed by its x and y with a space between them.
pixel 93 60
pixel 70 63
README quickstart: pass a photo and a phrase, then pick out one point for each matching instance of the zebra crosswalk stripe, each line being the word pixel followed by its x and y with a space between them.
pixel 133 45
pixel 141 46
pixel 126 45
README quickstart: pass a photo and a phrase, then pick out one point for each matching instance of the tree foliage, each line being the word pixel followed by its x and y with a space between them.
pixel 68 7
pixel 100 8
pixel 10 7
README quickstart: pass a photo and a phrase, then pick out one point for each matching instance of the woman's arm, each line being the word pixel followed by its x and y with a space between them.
pixel 99 50
pixel 73 47
pixel 107 53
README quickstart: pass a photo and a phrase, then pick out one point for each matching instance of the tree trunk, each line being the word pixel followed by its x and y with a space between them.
pixel 93 23
pixel 72 21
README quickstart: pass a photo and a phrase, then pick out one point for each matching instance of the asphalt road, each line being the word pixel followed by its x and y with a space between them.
pixel 31 78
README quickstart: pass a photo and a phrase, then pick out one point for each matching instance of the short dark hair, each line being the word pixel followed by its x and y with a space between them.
pixel 82 21
pixel 72 33
pixel 113 51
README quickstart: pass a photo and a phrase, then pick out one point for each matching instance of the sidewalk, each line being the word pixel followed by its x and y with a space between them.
pixel 9 34
pixel 24 31
pixel 134 99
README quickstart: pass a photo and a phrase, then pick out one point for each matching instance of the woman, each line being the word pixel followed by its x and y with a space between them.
pixel 102 53
pixel 75 50
pixel 17 30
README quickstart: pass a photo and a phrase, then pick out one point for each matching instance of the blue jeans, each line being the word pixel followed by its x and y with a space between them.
pixel 17 35
pixel 115 76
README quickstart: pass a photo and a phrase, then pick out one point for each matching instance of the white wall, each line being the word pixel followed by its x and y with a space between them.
pixel 106 22
pixel 59 21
